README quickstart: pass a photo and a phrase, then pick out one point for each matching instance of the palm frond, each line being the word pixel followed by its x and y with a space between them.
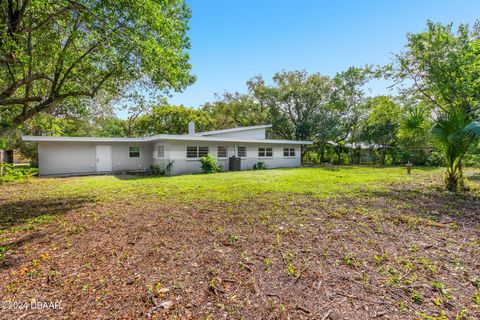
pixel 451 134
pixel 415 119
pixel 473 130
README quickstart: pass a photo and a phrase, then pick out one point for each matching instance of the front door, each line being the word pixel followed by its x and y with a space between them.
pixel 104 158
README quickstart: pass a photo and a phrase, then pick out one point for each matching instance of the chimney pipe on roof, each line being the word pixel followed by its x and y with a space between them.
pixel 191 127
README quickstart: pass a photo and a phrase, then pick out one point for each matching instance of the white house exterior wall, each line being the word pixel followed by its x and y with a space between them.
pixel 78 155
pixel 60 158
pixel 65 158
pixel 122 161
pixel 177 151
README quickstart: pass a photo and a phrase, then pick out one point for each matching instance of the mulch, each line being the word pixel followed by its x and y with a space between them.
pixel 280 257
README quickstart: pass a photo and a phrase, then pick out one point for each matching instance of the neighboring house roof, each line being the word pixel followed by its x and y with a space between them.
pixel 360 145
pixel 201 136
pixel 185 137
pixel 207 133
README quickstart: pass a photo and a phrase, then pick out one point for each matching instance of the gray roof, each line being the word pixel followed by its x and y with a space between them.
pixel 207 133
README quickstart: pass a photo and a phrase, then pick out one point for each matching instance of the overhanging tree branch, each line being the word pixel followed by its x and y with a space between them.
pixel 19 83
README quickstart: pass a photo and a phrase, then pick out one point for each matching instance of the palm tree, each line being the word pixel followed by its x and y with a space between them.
pixel 415 125
pixel 454 133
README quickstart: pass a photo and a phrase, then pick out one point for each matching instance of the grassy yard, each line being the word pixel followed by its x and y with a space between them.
pixel 308 243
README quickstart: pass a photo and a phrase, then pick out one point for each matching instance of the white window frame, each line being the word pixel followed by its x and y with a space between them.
pixel 197 152
pixel 218 152
pixel 290 152
pixel 238 152
pixel 157 156
pixel 265 152
pixel 139 152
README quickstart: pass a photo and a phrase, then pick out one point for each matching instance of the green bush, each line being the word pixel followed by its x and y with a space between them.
pixel 162 169
pixel 209 164
pixel 260 165
pixel 311 157
pixel 344 159
pixel 472 158
pixel 389 160
pixel 435 159
pixel 10 173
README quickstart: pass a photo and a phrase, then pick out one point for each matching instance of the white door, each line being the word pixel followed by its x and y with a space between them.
pixel 104 158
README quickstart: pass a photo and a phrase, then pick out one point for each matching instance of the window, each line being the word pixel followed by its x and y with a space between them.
pixel 289 152
pixel 160 151
pixel 192 152
pixel 202 151
pixel 265 152
pixel 134 152
pixel 242 152
pixel 222 152
pixel 196 152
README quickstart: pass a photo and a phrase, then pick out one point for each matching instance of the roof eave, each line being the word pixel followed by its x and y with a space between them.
pixel 159 137
pixel 219 139
pixel 79 139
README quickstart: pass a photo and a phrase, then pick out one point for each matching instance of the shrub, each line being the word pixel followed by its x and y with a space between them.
pixel 472 159
pixel 342 158
pixel 260 165
pixel 311 157
pixel 27 172
pixel 435 159
pixel 10 173
pixel 209 164
pixel 162 169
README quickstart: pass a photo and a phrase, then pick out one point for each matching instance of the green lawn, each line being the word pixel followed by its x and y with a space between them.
pixel 233 186
pixel 289 243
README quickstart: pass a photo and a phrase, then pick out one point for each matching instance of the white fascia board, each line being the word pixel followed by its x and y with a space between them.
pixel 79 139
pixel 159 137
pixel 218 139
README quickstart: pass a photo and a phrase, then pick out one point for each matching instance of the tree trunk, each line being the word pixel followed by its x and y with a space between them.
pixel 454 179
pixel 337 151
pixel 322 153
pixel 302 153
pixel 1 162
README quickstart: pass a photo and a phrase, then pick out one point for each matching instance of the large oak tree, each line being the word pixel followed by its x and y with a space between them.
pixel 56 54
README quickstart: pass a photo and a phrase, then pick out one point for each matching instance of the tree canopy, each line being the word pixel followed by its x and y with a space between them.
pixel 441 68
pixel 173 120
pixel 382 123
pixel 56 56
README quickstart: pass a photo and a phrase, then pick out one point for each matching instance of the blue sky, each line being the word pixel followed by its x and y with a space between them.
pixel 233 41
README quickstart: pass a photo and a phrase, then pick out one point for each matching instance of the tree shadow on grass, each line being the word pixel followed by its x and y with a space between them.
pixel 22 213
pixel 135 176
pixel 38 210
pixel 474 177
pixel 15 260
pixel 437 205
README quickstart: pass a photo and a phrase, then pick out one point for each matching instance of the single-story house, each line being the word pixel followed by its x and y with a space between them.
pixel 91 155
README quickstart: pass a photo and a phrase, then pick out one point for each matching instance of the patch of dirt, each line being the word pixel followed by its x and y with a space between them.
pixel 398 255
